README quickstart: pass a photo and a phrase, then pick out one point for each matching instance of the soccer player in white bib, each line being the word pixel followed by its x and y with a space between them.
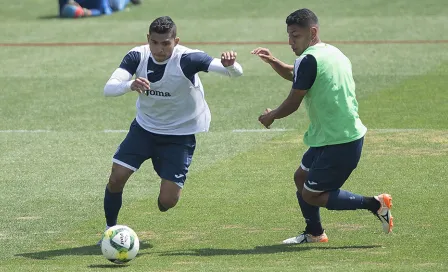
pixel 171 109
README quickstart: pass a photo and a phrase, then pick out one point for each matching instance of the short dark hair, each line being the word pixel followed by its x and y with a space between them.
pixel 303 18
pixel 163 25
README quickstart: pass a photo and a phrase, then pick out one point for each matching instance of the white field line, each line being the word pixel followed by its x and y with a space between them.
pixel 115 130
pixel 379 130
pixel 261 130
pixel 25 131
pixel 392 130
pixel 235 130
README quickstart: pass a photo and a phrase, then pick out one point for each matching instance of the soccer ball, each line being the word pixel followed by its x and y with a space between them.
pixel 120 244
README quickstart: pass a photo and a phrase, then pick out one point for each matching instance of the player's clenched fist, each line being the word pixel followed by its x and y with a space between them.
pixel 228 58
pixel 140 85
pixel 266 118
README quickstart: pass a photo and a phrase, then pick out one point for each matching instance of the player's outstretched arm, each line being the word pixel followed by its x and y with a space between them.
pixel 283 69
pixel 227 65
pixel 120 83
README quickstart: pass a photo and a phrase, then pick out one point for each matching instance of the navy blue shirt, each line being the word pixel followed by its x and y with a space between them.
pixel 190 64
pixel 305 71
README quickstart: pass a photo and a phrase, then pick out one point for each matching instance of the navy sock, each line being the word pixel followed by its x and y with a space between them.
pixel 112 205
pixel 344 200
pixel 311 215
pixel 371 204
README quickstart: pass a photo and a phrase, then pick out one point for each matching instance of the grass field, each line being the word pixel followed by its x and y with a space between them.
pixel 239 200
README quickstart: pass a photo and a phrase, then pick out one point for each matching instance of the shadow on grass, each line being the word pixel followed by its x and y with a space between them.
pixel 84 250
pixel 52 17
pixel 108 266
pixel 260 250
pixel 49 17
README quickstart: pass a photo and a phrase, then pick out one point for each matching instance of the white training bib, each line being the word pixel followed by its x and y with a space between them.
pixel 173 105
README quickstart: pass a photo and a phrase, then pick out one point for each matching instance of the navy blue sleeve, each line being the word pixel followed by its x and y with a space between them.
pixel 305 71
pixel 130 62
pixel 193 63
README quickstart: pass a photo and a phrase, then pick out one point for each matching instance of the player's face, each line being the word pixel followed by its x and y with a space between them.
pixel 162 45
pixel 300 38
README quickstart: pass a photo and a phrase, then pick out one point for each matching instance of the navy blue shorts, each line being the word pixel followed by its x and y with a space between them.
pixel 330 166
pixel 171 155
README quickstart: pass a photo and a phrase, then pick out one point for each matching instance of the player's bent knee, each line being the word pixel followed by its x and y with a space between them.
pixel 116 184
pixel 169 194
pixel 166 202
pixel 118 177
pixel 162 206
pixel 309 197
pixel 300 178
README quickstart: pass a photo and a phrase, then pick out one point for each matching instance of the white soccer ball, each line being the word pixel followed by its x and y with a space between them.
pixel 120 244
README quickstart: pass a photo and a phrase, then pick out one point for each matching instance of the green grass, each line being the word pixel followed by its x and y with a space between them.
pixel 239 199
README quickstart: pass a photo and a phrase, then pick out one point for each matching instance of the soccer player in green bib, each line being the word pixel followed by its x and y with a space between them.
pixel 322 78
